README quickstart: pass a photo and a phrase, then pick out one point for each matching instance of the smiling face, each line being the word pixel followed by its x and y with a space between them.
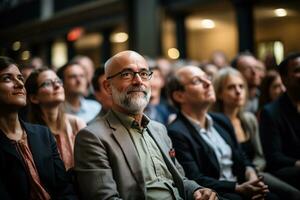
pixel 12 90
pixel 50 90
pixel 129 95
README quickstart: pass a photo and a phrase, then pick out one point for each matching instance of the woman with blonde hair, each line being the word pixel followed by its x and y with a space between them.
pixel 231 92
pixel 46 95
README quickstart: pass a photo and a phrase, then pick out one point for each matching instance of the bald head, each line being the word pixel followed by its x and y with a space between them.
pixel 123 60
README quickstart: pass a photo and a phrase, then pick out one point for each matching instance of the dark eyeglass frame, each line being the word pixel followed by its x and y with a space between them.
pixel 133 74
pixel 49 82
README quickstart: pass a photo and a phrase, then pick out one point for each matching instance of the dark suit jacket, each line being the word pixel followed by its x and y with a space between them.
pixel 280 133
pixel 107 164
pixel 198 158
pixel 14 183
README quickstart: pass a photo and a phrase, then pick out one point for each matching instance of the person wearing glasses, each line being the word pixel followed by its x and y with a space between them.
pixel 125 155
pixel 45 94
pixel 205 143
pixel 30 165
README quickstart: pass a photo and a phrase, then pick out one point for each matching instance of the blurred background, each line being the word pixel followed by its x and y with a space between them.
pixel 57 30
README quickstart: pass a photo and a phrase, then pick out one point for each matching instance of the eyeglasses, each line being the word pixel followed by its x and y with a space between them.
pixel 129 75
pixel 51 83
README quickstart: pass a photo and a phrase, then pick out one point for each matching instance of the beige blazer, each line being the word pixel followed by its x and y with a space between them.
pixel 107 164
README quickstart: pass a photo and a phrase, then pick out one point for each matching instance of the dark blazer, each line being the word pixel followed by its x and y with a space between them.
pixel 14 183
pixel 198 158
pixel 280 133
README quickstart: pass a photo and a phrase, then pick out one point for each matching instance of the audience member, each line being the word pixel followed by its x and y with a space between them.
pixel 29 161
pixel 101 95
pixel 231 91
pixel 271 88
pixel 125 155
pixel 45 96
pixel 157 108
pixel 210 70
pixel 251 69
pixel 205 143
pixel 89 68
pixel 280 127
pixel 219 59
pixel 75 84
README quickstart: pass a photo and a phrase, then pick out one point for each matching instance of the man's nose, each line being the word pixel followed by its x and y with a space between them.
pixel 137 79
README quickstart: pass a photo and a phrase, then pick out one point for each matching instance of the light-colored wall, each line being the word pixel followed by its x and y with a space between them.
pixel 202 43
pixel 287 30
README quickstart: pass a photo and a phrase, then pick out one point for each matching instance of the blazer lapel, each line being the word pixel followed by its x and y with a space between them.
pixel 154 132
pixel 207 149
pixel 122 137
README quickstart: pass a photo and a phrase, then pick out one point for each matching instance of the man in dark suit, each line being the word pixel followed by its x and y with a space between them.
pixel 125 155
pixel 280 125
pixel 205 144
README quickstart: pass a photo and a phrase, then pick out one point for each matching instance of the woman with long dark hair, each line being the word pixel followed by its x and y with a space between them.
pixel 30 165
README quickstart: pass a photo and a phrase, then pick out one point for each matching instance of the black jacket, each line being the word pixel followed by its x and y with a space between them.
pixel 14 183
pixel 198 158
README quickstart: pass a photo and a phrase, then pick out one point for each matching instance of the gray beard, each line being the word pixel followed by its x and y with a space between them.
pixel 134 103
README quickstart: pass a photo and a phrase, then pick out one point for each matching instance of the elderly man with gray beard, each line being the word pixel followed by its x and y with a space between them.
pixel 124 154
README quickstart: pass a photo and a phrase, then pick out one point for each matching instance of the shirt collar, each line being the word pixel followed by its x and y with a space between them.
pixel 130 122
pixel 209 122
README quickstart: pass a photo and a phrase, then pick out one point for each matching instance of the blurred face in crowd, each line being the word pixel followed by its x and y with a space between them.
pixel 251 70
pixel 88 67
pixel 50 89
pixel 75 82
pixel 292 80
pixel 130 90
pixel 157 83
pixel 233 92
pixel 276 88
pixel 102 95
pixel 12 90
pixel 198 90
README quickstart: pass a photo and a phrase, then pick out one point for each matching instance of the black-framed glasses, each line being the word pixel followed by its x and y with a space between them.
pixel 51 83
pixel 145 75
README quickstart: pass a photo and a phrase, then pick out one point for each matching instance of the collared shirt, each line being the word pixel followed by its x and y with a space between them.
pixel 158 180
pixel 221 149
pixel 88 109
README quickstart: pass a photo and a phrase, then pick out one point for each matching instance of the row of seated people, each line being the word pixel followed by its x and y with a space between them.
pixel 231 175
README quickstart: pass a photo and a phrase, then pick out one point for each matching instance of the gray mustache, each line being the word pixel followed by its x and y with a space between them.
pixel 137 89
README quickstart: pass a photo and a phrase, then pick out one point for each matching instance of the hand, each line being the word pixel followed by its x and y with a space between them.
pixel 255 189
pixel 205 194
pixel 250 174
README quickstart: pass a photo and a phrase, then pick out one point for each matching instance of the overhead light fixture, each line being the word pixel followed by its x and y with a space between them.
pixel 16 45
pixel 25 55
pixel 173 53
pixel 119 37
pixel 208 23
pixel 280 12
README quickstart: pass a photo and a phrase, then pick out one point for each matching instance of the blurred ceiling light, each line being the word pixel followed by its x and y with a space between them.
pixel 25 55
pixel 280 12
pixel 173 53
pixel 75 33
pixel 208 23
pixel 16 45
pixel 119 37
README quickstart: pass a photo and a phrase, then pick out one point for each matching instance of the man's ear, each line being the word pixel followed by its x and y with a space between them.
pixel 178 96
pixel 34 99
pixel 107 86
